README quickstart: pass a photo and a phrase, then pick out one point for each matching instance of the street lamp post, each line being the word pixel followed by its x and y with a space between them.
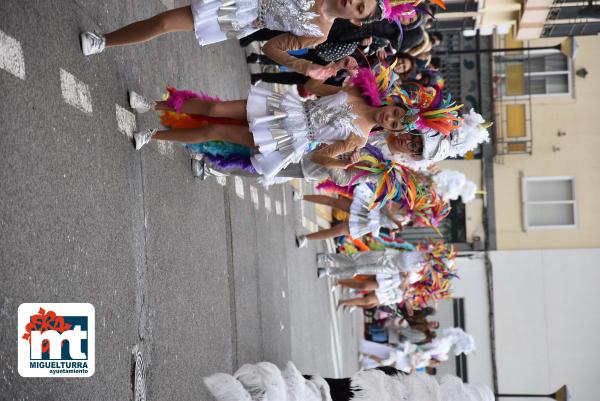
pixel 562 394
pixel 567 47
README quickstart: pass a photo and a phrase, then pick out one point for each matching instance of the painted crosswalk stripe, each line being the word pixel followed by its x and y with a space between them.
pixel 168 3
pixel 268 203
pixel 254 197
pixel 75 92
pixel 165 148
pixel 239 187
pixel 222 181
pixel 278 208
pixel 11 56
pixel 285 210
pixel 125 121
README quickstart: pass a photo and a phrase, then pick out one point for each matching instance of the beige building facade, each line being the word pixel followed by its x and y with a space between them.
pixel 525 19
pixel 546 176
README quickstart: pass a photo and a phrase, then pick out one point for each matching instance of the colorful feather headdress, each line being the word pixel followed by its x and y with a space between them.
pixel 436 278
pixel 389 241
pixel 396 183
pixel 395 9
pixel 434 110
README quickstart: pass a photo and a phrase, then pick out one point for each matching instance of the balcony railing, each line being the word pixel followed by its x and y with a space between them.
pixel 513 102
pixel 565 19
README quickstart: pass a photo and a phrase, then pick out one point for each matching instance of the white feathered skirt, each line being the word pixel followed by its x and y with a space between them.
pixel 279 126
pixel 362 220
pixel 265 382
pixel 219 20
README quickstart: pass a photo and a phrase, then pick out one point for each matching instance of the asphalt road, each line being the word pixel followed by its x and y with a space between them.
pixel 194 274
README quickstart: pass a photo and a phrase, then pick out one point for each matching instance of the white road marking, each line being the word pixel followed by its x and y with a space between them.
pixel 302 211
pixel 165 148
pixel 239 187
pixel 125 121
pixel 168 3
pixel 335 337
pixel 278 208
pixel 268 203
pixel 285 211
pixel 75 92
pixel 11 56
pixel 254 196
pixel 222 181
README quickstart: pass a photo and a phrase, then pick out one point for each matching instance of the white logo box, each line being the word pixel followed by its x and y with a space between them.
pixel 80 364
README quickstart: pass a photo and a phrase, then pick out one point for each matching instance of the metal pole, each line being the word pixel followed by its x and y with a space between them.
pixel 518 49
pixel 526 395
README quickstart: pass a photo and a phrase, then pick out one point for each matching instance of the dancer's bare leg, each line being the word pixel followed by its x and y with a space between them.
pixel 368 301
pixel 234 109
pixel 335 231
pixel 369 284
pixel 162 106
pixel 176 20
pixel 338 203
pixel 211 132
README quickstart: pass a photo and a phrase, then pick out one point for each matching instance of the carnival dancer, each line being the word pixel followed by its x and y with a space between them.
pixel 398 197
pixel 408 357
pixel 396 257
pixel 265 382
pixel 388 261
pixel 379 289
pixel 219 160
pixel 307 23
pixel 431 121
pixel 363 220
pixel 278 127
pixel 418 150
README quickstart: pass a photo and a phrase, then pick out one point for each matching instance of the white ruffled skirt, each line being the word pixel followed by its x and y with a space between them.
pixel 219 20
pixel 280 129
pixel 265 382
pixel 362 220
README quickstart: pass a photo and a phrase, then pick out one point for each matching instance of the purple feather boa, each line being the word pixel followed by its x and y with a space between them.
pixel 232 162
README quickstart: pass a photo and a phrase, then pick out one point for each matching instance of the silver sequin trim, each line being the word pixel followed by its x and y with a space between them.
pixel 340 116
pixel 316 117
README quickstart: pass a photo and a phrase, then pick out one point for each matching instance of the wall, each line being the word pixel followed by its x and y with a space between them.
pixel 578 156
pixel 472 286
pixel 546 321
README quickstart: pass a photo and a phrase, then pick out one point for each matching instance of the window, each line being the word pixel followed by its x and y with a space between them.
pixel 537 75
pixel 515 118
pixel 548 202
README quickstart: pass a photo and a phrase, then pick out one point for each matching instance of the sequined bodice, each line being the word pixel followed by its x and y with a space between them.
pixel 288 16
pixel 330 118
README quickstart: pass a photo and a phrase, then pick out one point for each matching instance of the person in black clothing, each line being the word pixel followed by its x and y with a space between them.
pixel 341 389
pixel 345 38
pixel 405 67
